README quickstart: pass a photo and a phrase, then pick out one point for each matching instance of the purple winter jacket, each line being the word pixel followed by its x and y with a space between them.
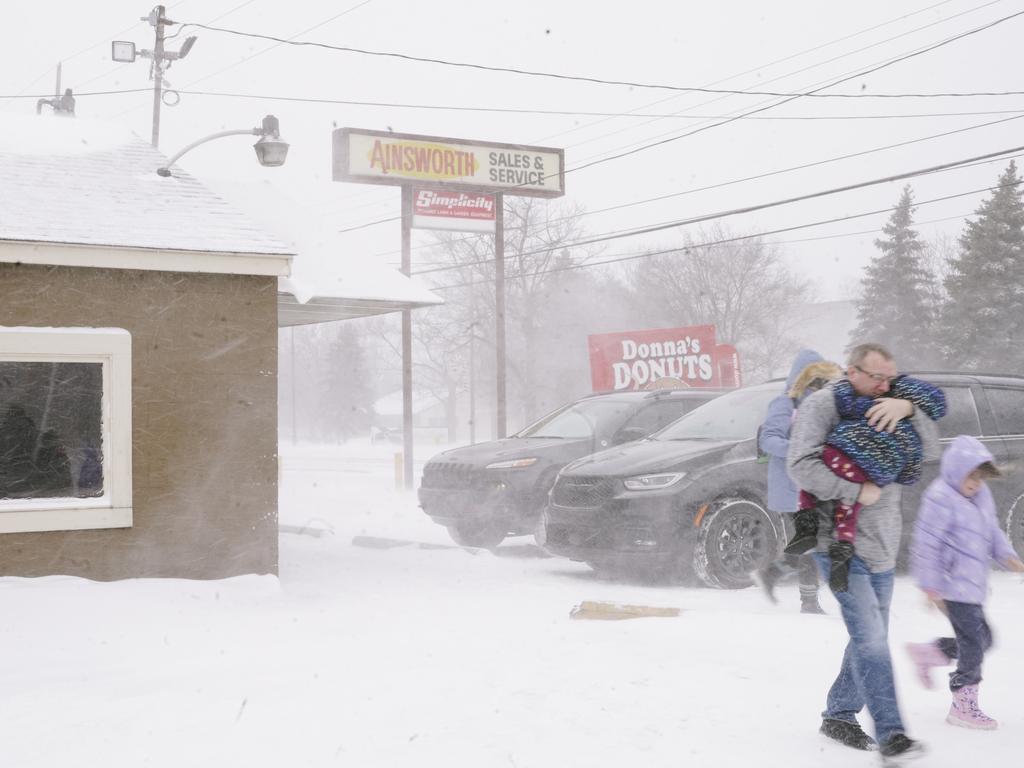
pixel 956 538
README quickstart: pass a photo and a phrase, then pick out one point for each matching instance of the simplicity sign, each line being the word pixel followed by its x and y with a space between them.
pixel 382 157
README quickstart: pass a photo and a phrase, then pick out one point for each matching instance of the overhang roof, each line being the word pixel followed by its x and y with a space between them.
pixel 327 281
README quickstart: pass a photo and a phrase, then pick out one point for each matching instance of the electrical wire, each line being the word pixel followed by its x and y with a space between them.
pixel 705 244
pixel 755 177
pixel 602 81
pixel 843 79
pixel 762 83
pixel 761 206
pixel 578 113
pixel 112 70
pixel 81 94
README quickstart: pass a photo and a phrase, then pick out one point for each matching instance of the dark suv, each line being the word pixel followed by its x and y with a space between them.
pixel 690 499
pixel 485 492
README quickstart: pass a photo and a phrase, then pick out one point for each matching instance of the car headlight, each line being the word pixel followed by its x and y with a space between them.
pixel 513 464
pixel 653 482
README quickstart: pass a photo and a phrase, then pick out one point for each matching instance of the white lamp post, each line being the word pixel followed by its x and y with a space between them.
pixel 271 150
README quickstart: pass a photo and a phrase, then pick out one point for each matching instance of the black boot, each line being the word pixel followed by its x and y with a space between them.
pixel 840 553
pixel 805 535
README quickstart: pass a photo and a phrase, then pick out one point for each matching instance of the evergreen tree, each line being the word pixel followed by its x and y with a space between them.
pixel 983 319
pixel 896 305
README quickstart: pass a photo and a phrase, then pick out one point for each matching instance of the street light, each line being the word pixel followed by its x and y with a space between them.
pixel 271 150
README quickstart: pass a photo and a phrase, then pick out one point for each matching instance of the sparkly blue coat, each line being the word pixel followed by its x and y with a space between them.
pixel 885 457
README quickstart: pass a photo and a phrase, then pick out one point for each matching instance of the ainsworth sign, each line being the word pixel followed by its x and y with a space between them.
pixel 666 357
pixel 382 157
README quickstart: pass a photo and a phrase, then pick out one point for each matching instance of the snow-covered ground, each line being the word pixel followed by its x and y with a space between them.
pixel 439 656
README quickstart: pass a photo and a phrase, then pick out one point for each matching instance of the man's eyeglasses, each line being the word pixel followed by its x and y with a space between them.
pixel 878 378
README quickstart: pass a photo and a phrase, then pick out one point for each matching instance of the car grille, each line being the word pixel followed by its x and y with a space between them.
pixel 573 491
pixel 453 475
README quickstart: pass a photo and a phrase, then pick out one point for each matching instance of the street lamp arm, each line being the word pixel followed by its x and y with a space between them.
pixel 166 170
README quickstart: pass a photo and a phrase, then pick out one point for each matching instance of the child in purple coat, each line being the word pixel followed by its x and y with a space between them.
pixel 956 537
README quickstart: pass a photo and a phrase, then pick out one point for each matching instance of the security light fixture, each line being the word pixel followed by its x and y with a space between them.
pixel 123 51
pixel 185 48
pixel 271 150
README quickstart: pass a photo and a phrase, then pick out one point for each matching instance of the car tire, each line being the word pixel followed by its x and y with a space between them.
pixel 482 535
pixel 1015 526
pixel 737 536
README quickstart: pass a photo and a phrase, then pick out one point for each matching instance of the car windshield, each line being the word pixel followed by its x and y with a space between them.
pixel 733 416
pixel 583 419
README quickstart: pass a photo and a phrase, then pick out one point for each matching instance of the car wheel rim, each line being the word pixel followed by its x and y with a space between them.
pixel 742 544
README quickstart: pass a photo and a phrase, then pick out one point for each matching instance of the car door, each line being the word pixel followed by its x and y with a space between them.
pixel 1006 403
pixel 963 417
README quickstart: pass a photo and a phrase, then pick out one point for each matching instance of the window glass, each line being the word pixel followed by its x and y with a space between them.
pixel 583 419
pixel 961 413
pixel 1008 405
pixel 733 416
pixel 660 414
pixel 50 430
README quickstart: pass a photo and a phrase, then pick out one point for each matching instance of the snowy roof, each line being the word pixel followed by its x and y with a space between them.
pixel 69 181
pixel 328 281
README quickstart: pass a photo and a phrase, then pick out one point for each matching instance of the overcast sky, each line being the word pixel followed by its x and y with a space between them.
pixel 786 46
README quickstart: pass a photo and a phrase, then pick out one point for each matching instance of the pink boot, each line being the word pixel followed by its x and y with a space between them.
pixel 965 712
pixel 925 656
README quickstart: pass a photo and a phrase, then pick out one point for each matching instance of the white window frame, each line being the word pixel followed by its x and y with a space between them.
pixel 112 347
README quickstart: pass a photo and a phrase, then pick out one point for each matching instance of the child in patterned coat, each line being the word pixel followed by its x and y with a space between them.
pixel 858 452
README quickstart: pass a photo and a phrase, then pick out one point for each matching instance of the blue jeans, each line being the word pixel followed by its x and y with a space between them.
pixel 865 677
pixel 973 638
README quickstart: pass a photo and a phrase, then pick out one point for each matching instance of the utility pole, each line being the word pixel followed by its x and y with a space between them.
pixel 156 19
pixel 499 314
pixel 125 51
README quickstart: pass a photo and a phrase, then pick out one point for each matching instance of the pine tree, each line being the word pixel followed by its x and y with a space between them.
pixel 896 306
pixel 983 319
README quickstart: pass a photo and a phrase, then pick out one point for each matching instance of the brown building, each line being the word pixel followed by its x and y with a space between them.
pixel 138 362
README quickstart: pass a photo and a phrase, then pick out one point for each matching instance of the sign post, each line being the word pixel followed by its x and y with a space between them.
pixel 449 179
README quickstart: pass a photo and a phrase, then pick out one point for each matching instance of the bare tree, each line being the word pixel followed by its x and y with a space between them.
pixel 539 258
pixel 742 287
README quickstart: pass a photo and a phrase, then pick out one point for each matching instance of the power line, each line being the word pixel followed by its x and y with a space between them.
pixel 576 112
pixel 843 79
pixel 760 206
pixel 600 81
pixel 777 78
pixel 83 93
pixel 755 177
pixel 678 249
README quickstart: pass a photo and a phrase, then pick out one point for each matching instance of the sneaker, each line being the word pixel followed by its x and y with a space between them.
pixel 899 748
pixel 848 734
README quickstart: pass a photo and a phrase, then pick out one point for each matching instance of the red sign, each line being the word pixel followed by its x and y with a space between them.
pixel 433 209
pixel 666 357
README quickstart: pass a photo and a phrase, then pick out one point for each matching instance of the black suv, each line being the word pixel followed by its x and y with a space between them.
pixel 690 499
pixel 485 492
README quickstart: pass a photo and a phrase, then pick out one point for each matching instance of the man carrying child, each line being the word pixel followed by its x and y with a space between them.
pixel 866 675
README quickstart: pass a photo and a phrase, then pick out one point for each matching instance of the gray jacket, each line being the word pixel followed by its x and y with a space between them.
pixel 880 525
